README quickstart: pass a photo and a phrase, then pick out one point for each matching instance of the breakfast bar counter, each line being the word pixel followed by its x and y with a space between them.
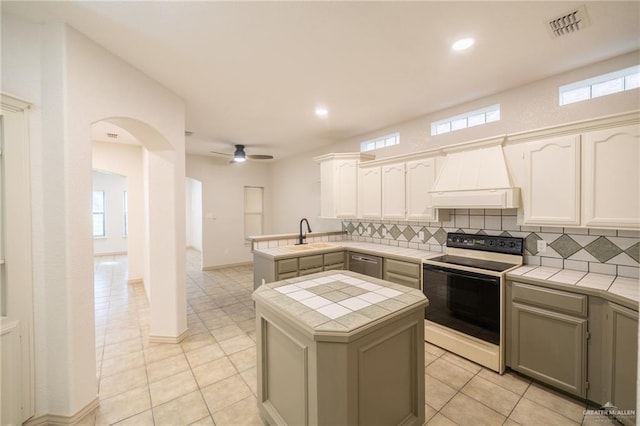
pixel 337 347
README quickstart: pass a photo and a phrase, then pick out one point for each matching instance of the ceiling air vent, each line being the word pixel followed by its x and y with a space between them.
pixel 112 135
pixel 569 22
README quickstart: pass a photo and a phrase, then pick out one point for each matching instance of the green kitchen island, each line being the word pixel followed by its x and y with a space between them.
pixel 340 348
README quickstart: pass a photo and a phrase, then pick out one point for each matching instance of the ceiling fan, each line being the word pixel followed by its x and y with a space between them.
pixel 240 156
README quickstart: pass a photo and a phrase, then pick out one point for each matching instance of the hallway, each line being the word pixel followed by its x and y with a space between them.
pixel 209 377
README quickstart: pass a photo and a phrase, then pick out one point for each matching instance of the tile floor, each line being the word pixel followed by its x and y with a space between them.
pixel 210 378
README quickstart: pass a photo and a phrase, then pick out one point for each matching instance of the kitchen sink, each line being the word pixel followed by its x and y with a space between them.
pixel 310 246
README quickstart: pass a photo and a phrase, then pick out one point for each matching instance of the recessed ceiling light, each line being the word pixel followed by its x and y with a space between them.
pixel 322 112
pixel 463 43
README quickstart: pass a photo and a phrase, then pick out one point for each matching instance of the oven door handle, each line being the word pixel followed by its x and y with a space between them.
pixel 447 271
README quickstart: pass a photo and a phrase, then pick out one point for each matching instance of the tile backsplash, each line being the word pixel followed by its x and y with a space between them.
pixel 606 251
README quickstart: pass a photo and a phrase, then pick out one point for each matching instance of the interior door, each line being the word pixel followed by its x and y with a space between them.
pixel 18 397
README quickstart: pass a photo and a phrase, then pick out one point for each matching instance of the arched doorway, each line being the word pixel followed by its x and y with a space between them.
pixel 154 247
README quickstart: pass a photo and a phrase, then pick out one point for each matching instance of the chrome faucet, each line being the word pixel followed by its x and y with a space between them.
pixel 301 237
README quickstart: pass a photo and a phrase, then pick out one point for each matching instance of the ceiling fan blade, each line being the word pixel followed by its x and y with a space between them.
pixel 260 157
pixel 222 154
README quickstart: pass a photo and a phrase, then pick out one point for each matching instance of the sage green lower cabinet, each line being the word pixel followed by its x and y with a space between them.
pixel 270 270
pixel 286 268
pixel 584 345
pixel 548 339
pixel 620 358
pixel 613 356
pixel 335 260
pixel 309 265
pixel 402 272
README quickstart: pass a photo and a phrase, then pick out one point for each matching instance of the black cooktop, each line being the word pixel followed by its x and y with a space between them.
pixel 489 265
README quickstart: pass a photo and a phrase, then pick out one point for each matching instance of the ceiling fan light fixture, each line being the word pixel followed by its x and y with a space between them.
pixel 239 155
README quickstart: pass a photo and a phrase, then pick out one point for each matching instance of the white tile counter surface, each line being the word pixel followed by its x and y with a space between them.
pixel 338 302
pixel 617 289
pixel 402 253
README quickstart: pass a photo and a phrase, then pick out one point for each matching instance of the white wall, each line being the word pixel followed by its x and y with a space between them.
pixel 114 240
pixel 523 108
pixel 193 196
pixel 223 185
pixel 294 198
pixel 126 160
pixel 72 83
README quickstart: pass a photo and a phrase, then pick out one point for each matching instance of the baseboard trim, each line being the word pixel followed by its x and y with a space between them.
pixel 135 281
pixel 111 253
pixel 58 420
pixel 169 339
pixel 230 265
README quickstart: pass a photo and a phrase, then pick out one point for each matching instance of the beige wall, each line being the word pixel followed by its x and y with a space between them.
pixel 296 194
pixel 223 185
pixel 523 108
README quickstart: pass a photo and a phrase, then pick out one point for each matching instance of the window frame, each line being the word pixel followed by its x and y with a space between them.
pixel 380 142
pixel 101 213
pixel 248 213
pixel 478 117
pixel 583 90
pixel 125 213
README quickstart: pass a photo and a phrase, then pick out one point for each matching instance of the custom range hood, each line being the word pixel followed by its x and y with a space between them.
pixel 475 177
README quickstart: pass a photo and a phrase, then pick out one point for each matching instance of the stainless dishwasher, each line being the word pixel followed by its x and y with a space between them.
pixel 365 264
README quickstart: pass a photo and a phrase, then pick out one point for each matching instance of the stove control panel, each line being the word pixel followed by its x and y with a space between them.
pixel 496 244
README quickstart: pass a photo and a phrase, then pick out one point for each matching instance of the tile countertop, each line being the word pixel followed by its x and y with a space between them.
pixel 400 253
pixel 339 305
pixel 622 290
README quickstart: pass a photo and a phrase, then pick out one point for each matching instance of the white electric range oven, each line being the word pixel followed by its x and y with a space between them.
pixel 465 288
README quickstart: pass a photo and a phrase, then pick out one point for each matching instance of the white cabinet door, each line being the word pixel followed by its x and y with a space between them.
pixel 393 192
pixel 551 194
pixel 370 193
pixel 421 175
pixel 327 185
pixel 611 178
pixel 346 188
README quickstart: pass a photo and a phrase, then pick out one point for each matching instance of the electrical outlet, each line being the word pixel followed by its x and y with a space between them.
pixel 371 230
pixel 421 235
pixel 384 232
pixel 542 246
pixel 360 229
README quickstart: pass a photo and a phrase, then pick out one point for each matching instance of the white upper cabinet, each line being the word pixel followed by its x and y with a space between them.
pixel 370 193
pixel 393 191
pixel 551 191
pixel 581 175
pixel 346 188
pixel 420 177
pixel 610 176
pixel 339 184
